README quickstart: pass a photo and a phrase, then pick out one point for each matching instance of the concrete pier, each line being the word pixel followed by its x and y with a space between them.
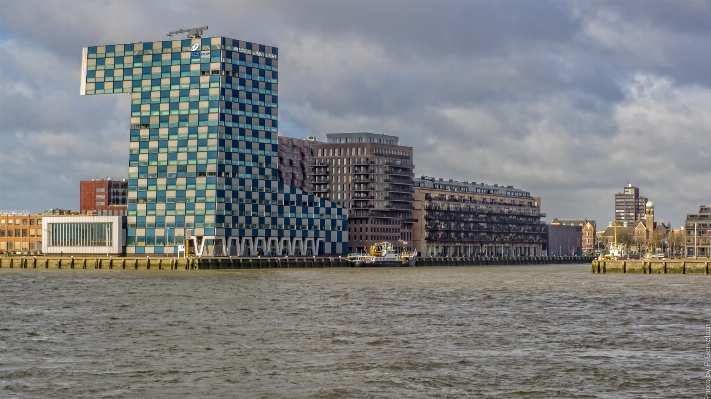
pixel 163 263
pixel 657 266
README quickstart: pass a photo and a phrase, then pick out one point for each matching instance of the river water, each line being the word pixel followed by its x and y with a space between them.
pixel 427 332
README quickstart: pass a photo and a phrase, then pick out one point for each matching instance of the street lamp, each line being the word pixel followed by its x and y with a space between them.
pixel 165 232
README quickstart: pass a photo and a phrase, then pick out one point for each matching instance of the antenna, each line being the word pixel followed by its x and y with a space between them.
pixel 193 33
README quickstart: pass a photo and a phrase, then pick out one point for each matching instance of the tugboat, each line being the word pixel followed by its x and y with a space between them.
pixel 383 254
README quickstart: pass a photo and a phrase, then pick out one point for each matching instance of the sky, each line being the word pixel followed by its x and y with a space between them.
pixel 569 100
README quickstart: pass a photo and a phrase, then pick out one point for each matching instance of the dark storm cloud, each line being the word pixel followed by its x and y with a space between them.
pixel 568 100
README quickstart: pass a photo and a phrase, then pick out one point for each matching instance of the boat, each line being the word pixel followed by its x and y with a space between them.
pixel 615 252
pixel 382 254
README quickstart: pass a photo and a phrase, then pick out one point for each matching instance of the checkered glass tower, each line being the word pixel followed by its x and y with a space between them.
pixel 203 151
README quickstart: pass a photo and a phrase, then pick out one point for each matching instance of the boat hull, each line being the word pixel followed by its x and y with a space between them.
pixel 384 263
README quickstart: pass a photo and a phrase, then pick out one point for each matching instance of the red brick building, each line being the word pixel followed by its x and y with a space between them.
pixel 103 197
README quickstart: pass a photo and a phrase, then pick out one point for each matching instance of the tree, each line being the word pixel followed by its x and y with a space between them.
pixel 624 239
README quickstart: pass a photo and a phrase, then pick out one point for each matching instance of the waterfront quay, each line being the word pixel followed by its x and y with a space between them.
pixel 646 266
pixel 214 263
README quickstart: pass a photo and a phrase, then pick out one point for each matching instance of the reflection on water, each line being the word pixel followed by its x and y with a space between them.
pixel 508 332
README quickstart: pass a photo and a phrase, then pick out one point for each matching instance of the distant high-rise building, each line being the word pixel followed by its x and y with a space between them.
pixel 371 175
pixel 104 197
pixel 629 206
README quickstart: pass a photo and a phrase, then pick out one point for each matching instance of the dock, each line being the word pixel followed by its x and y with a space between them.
pixel 214 263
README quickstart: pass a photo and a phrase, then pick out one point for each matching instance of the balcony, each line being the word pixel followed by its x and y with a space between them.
pixel 399 164
pixel 363 162
pixel 397 189
pixel 406 182
pixel 396 172
pixel 363 180
pixel 319 172
pixel 361 205
pixel 402 198
pixel 365 188
pixel 399 206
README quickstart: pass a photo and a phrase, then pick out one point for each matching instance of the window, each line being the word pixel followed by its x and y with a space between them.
pixel 100 190
pixel 101 204
pixel 100 197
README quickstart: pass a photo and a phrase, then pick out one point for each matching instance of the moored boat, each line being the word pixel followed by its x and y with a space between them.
pixel 382 254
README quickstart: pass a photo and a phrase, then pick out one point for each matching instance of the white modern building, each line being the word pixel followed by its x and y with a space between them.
pixel 84 234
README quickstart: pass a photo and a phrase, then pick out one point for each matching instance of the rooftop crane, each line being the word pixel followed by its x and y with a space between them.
pixel 193 33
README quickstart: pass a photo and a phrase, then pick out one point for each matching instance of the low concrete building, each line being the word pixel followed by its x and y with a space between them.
pixel 84 235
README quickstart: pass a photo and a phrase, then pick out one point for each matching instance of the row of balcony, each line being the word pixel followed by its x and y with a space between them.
pixel 476 228
pixel 472 200
pixel 482 209
pixel 354 214
pixel 483 238
pixel 485 219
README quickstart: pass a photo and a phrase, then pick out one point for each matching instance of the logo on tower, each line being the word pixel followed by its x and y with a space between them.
pixel 195 47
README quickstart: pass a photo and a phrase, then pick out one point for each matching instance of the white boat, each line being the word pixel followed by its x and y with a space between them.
pixel 383 254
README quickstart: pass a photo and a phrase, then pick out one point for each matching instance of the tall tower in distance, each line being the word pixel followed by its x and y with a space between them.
pixel 629 206
pixel 649 216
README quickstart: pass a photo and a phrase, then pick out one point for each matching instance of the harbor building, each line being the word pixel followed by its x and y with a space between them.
pixel 20 231
pixel 629 205
pixel 203 163
pixel 698 232
pixel 476 219
pixel 103 197
pixel 372 176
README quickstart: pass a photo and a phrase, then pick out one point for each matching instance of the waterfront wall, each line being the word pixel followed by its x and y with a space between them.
pixel 680 266
pixel 255 262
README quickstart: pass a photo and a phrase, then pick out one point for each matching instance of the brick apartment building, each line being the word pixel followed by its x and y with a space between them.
pixel 371 175
pixel 469 219
pixel 103 197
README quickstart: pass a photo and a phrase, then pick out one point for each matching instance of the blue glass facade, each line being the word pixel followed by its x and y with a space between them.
pixel 204 149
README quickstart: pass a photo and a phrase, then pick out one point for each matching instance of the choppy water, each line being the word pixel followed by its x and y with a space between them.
pixel 499 332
